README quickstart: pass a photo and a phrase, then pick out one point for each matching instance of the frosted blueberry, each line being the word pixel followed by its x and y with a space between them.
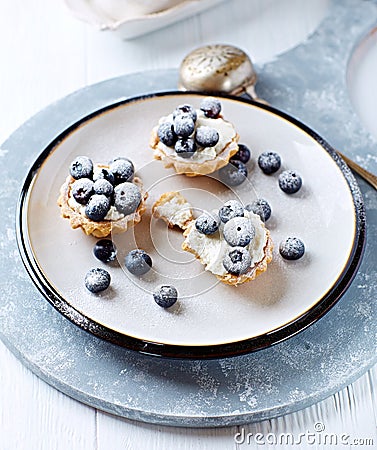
pixel 81 167
pixel 207 223
pixel 290 182
pixel 97 280
pixel 122 169
pixel 82 190
pixel 237 261
pixel 206 136
pixel 166 134
pixel 138 262
pixel 211 107
pixel 97 207
pixel 260 207
pixel 230 209
pixel 239 232
pixel 105 250
pixel 234 173
pixel 185 109
pixel 243 154
pixel 165 296
pixel 292 248
pixel 269 162
pixel 183 126
pixel 103 187
pixel 185 148
pixel 127 198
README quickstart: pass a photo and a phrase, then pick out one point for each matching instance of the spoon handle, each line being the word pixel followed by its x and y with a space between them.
pixel 368 176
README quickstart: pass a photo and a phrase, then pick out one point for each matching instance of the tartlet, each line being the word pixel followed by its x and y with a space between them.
pixel 205 159
pixel 173 209
pixel 114 221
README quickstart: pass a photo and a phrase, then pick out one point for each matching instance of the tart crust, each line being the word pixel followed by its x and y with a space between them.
pixel 192 168
pixel 105 227
pixel 180 201
pixel 251 274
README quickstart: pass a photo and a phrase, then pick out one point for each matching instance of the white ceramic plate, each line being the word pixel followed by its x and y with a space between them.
pixel 127 24
pixel 210 319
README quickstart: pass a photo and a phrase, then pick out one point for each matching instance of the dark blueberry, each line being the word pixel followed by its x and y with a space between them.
pixel 234 173
pixel 260 207
pixel 185 148
pixel 97 280
pixel 166 134
pixel 122 169
pixel 292 248
pixel 211 107
pixel 230 209
pixel 184 126
pixel 82 190
pixel 102 173
pixel 127 198
pixel 97 207
pixel 185 110
pixel 138 262
pixel 165 296
pixel 207 223
pixel 269 162
pixel 81 167
pixel 237 261
pixel 103 187
pixel 290 181
pixel 242 155
pixel 206 136
pixel 105 250
pixel 239 232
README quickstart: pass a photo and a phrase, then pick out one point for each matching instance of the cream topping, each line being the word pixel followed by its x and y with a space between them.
pixel 175 212
pixel 226 134
pixel 212 248
pixel 112 215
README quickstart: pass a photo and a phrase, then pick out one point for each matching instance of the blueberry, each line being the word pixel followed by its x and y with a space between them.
pixel 127 198
pixel 103 187
pixel 102 173
pixel 260 207
pixel 237 261
pixel 269 162
pixel 97 280
pixel 290 181
pixel 211 107
pixel 97 207
pixel 165 296
pixel 292 248
pixel 234 173
pixel 242 155
pixel 81 167
pixel 122 169
pixel 206 136
pixel 138 262
pixel 230 209
pixel 207 223
pixel 183 126
pixel 239 232
pixel 82 190
pixel 185 148
pixel 185 110
pixel 166 134
pixel 105 250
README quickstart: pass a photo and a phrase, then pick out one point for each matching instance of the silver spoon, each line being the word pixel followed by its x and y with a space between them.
pixel 228 69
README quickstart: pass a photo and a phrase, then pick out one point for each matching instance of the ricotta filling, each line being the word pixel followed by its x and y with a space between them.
pixel 175 212
pixel 212 249
pixel 226 134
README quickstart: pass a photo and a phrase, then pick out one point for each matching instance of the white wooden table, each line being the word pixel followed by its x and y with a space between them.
pixel 45 54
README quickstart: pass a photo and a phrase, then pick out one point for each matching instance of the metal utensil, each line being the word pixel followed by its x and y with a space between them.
pixel 228 69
